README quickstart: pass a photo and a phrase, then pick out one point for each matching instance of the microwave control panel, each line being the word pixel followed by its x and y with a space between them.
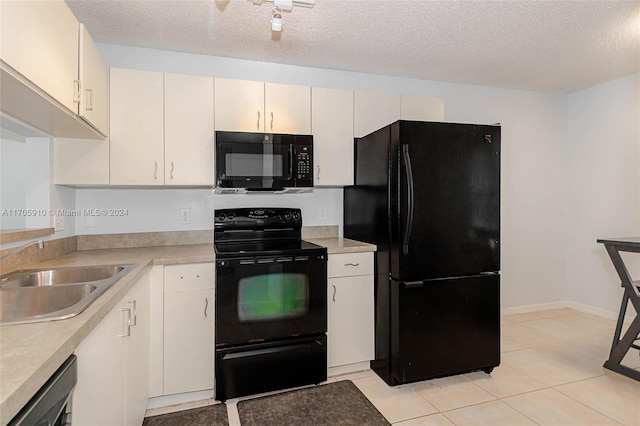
pixel 303 163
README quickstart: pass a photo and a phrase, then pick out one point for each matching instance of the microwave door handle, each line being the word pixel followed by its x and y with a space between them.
pixel 290 162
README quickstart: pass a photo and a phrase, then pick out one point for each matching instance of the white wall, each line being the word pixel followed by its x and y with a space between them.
pixel 534 138
pixel 13 157
pixel 159 209
pixel 603 192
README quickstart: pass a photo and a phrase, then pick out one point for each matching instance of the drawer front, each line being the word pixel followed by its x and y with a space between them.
pixel 188 277
pixel 350 264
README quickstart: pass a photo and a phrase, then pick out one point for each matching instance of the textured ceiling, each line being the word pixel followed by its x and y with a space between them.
pixel 558 46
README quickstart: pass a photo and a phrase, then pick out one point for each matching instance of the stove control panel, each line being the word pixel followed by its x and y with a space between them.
pixel 258 217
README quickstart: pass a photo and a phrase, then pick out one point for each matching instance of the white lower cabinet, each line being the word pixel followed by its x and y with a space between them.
pixel 182 336
pixel 350 327
pixel 113 373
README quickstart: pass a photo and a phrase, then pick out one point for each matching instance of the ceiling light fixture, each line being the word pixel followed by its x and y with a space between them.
pixel 282 5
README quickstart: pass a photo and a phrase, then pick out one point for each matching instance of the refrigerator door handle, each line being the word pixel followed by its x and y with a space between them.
pixel 409 225
pixel 413 284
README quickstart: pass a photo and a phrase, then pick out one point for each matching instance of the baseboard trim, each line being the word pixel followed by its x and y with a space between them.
pixel 159 404
pixel 580 307
pixel 349 368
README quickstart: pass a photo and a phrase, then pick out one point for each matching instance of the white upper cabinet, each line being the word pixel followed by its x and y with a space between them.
pixel 421 108
pixel 253 106
pixel 332 129
pixel 373 110
pixel 81 162
pixel 137 130
pixel 189 134
pixel 288 108
pixel 239 105
pixel 48 48
pixel 10 31
pixel 94 84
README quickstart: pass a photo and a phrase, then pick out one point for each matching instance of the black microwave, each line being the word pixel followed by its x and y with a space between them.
pixel 263 161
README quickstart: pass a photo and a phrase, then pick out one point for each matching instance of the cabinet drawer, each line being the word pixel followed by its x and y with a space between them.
pixel 350 264
pixel 188 277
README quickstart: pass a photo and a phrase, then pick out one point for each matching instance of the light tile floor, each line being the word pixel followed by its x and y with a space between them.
pixel 551 374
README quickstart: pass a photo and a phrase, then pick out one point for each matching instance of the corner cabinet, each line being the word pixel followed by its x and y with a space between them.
pixel 332 129
pixel 188 328
pixel 252 106
pixel 350 312
pixel 113 372
pixel 136 132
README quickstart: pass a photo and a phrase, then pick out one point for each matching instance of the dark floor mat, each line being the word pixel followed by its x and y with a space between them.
pixel 211 415
pixel 339 403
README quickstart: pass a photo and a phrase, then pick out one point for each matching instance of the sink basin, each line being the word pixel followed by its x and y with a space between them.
pixel 53 294
pixel 57 276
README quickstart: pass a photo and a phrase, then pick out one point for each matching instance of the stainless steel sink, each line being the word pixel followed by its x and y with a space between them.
pixel 57 276
pixel 53 294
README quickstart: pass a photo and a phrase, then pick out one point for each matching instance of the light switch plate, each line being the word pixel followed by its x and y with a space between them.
pixel 185 216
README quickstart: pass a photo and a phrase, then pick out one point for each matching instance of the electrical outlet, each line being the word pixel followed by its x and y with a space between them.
pixel 185 216
pixel 323 213
pixel 58 223
pixel 91 221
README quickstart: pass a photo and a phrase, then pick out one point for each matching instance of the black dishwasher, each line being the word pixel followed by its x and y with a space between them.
pixel 49 405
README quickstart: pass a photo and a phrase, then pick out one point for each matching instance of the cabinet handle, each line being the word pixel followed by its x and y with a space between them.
pixel 334 293
pixel 128 323
pixel 271 120
pixel 135 312
pixel 352 264
pixel 172 170
pixel 89 107
pixel 76 91
pixel 258 122
pixel 318 173
pixel 155 171
pixel 206 306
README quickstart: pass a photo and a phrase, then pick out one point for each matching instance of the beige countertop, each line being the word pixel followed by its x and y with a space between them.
pixel 337 245
pixel 31 353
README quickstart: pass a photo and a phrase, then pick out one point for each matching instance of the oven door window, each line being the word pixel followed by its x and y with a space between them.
pixel 273 296
pixel 277 300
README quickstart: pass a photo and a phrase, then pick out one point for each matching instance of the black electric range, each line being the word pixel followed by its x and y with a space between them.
pixel 271 302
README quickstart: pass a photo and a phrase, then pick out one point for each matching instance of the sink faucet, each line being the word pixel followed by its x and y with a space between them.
pixel 39 243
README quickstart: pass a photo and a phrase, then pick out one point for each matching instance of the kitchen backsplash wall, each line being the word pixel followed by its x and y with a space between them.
pixel 151 210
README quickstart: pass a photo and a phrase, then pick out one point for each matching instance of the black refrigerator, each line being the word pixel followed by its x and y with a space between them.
pixel 428 195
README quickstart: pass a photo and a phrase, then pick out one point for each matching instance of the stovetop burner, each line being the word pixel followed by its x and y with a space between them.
pixel 252 248
pixel 258 232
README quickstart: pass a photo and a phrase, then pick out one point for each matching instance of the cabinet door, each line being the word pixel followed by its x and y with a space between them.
pixel 421 108
pixel 10 12
pixel 288 108
pixel 188 341
pixel 188 130
pixel 332 128
pixel 373 111
pixel 137 131
pixel 350 333
pixel 239 105
pixel 94 84
pixel 48 48
pixel 137 353
pixel 99 396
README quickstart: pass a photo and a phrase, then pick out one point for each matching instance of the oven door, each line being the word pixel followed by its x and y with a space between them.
pixel 269 298
pixel 253 160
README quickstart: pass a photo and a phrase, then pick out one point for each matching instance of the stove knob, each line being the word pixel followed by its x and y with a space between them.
pixel 296 215
pixel 221 217
pixel 287 215
pixel 231 216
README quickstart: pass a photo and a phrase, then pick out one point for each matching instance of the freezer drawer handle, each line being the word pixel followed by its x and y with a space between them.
pixel 409 172
pixel 413 284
